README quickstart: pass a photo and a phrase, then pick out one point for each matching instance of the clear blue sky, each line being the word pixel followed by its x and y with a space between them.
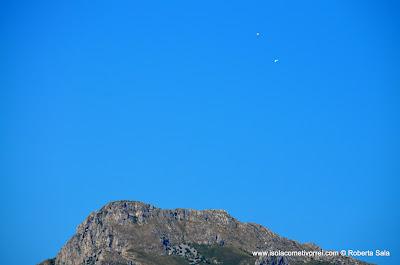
pixel 179 104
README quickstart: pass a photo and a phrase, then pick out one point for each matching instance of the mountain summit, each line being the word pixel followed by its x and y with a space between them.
pixel 135 233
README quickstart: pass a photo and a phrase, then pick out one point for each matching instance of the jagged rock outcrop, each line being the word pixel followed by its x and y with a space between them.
pixel 135 233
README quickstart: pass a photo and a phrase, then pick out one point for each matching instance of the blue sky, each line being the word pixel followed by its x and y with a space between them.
pixel 179 104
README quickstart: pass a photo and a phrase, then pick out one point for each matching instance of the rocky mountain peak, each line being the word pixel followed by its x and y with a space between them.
pixel 136 233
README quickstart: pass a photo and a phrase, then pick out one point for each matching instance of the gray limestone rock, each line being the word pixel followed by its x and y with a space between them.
pixel 135 233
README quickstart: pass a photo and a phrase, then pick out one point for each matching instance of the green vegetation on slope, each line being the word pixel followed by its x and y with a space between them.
pixel 211 255
pixel 225 255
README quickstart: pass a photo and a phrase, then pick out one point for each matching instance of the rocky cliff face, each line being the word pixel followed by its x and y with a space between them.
pixel 135 233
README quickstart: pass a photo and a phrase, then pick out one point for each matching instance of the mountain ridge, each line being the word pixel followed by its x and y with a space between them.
pixel 136 233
